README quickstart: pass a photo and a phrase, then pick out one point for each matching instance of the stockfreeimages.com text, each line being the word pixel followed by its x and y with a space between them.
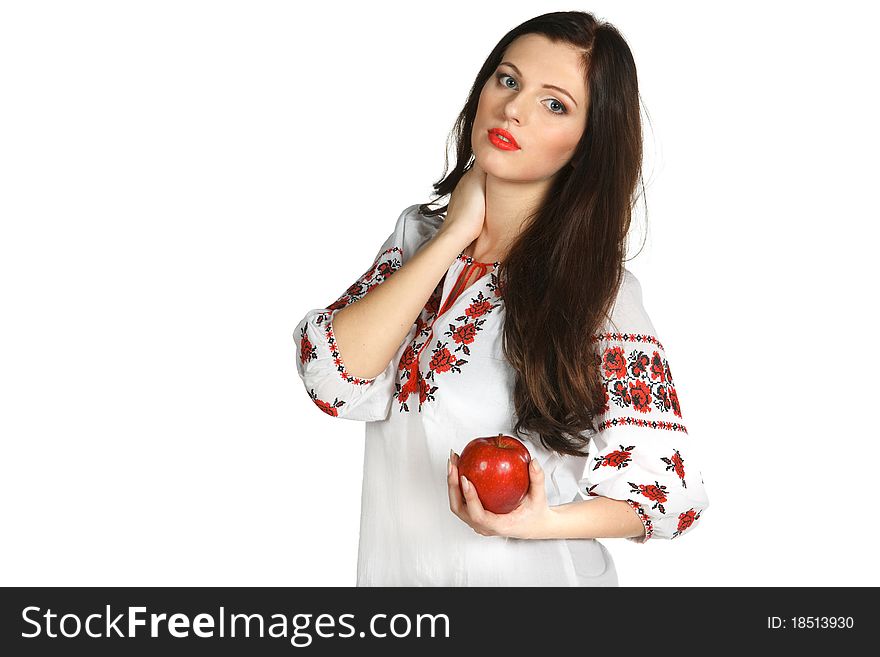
pixel 203 625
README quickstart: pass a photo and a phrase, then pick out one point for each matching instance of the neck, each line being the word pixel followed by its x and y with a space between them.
pixel 508 205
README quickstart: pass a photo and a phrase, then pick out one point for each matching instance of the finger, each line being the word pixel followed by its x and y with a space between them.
pixel 455 499
pixel 536 481
pixel 475 508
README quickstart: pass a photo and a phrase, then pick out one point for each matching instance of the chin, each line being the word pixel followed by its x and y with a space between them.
pixel 489 164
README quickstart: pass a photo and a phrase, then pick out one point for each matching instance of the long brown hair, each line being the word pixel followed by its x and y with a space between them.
pixel 561 275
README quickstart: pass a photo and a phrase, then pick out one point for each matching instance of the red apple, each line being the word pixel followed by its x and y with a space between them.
pixel 498 468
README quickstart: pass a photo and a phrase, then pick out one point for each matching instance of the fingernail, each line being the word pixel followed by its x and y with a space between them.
pixel 465 484
pixel 451 454
pixel 535 465
pixel 448 467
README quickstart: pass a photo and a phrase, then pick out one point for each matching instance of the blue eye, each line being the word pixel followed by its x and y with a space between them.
pixel 499 76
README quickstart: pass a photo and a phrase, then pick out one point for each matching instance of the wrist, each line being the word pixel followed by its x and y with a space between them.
pixel 450 241
pixel 547 525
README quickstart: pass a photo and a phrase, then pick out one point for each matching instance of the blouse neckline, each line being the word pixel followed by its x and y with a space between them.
pixel 470 261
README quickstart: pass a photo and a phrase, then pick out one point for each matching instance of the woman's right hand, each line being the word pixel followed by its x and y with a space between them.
pixel 466 211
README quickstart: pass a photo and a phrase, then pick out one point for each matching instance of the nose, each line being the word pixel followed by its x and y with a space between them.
pixel 512 111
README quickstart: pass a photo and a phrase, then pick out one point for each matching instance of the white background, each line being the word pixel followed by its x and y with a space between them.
pixel 181 181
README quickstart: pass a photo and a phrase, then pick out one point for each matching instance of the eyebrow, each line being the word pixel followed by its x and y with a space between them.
pixel 545 86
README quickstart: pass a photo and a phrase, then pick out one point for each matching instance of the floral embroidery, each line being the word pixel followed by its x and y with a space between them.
pixel 423 321
pixel 628 337
pixel 619 458
pixel 374 276
pixel 643 516
pixel 408 367
pixel 676 463
pixel 655 493
pixel 414 383
pixel 329 409
pixel 443 361
pixel 637 422
pixel 307 350
pixel 637 380
pixel 685 520
pixel 446 356
pixel 464 334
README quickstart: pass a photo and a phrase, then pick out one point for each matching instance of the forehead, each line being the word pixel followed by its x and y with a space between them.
pixel 544 62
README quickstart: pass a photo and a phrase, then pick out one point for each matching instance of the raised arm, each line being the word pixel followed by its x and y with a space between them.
pixel 369 331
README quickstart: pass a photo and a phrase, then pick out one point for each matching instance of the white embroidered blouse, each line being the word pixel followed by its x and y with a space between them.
pixel 448 383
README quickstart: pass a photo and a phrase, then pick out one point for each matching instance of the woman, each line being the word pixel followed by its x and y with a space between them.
pixel 514 314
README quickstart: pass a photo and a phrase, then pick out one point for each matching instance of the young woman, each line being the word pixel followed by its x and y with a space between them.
pixel 509 310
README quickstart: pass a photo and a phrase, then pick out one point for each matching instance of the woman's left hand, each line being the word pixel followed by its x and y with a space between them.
pixel 526 521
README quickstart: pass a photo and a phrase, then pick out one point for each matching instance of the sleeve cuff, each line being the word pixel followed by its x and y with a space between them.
pixel 646 522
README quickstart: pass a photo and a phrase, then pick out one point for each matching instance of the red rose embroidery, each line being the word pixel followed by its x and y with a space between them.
pixel 478 309
pixel 329 409
pixel 424 390
pixel 673 399
pixel 619 458
pixel 621 393
pixel 407 359
pixel 655 493
pixel 677 464
pixel 306 350
pixel 639 364
pixel 614 363
pixel 641 396
pixel 657 369
pixel 644 382
pixel 686 519
pixel 464 334
pixel 663 398
pixel 443 360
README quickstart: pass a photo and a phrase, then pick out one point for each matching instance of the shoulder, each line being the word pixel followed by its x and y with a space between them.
pixel 418 223
pixel 628 314
pixel 413 229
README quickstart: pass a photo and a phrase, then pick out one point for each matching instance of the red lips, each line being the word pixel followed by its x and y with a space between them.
pixel 512 145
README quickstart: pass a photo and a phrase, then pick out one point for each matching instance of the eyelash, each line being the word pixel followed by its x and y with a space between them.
pixel 498 77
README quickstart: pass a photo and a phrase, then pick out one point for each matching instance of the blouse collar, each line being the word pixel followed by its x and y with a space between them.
pixel 468 260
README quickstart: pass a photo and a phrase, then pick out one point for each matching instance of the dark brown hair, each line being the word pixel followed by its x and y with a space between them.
pixel 560 277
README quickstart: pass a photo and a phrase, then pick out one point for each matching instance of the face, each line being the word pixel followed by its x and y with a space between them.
pixel 546 123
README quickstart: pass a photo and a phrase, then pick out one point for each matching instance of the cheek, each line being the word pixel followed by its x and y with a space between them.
pixel 485 98
pixel 561 144
pixel 553 151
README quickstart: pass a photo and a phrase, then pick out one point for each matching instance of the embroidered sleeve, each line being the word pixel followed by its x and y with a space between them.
pixel 642 452
pixel 319 364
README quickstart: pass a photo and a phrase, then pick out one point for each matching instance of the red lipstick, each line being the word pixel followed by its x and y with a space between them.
pixel 495 135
